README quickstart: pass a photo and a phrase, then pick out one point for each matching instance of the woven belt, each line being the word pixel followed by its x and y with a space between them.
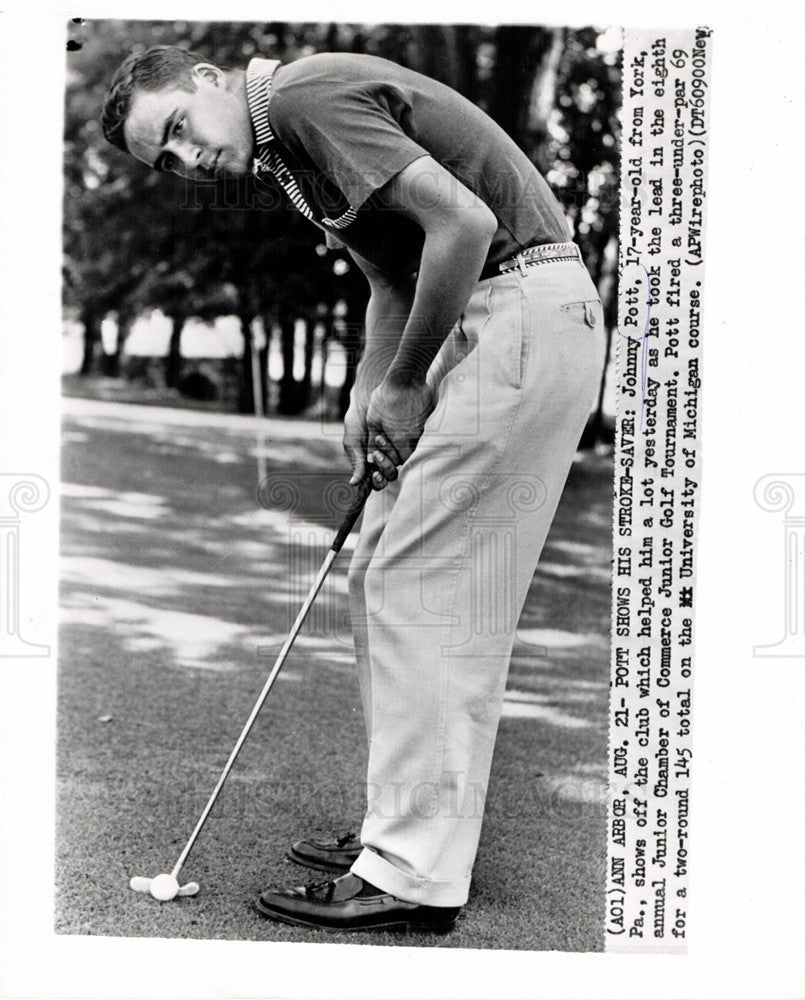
pixel 546 253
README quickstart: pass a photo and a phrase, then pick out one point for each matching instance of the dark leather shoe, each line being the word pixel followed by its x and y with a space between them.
pixel 348 903
pixel 327 856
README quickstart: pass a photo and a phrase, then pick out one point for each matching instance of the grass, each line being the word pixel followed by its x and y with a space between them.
pixel 178 588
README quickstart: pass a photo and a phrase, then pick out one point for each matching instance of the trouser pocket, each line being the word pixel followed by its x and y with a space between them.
pixel 586 311
pixel 506 330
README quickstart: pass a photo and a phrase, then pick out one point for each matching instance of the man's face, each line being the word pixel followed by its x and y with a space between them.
pixel 199 135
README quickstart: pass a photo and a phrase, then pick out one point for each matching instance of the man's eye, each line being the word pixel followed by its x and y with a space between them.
pixel 178 128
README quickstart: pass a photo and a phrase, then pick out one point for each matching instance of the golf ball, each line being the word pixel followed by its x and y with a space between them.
pixel 164 887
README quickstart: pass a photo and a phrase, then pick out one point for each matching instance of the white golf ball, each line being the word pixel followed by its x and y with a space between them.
pixel 164 887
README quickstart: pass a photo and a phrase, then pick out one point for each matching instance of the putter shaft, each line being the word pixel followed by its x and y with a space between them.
pixel 297 625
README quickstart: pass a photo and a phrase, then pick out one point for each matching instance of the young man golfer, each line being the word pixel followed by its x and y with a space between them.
pixel 483 353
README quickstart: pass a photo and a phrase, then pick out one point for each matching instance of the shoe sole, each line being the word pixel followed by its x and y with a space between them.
pixel 319 866
pixel 397 925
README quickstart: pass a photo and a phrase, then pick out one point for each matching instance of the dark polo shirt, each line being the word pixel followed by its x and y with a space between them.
pixel 346 124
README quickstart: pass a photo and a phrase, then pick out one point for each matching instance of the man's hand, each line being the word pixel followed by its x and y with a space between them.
pixel 458 230
pixel 356 433
pixel 395 420
pixel 356 438
pixel 386 315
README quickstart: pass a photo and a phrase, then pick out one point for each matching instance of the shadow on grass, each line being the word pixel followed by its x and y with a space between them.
pixel 178 587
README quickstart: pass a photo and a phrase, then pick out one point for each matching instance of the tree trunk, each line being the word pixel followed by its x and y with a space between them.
pixel 359 42
pixel 173 363
pixel 324 408
pixel 307 377
pixel 396 44
pixel 124 325
pixel 466 42
pixel 110 364
pixel 433 51
pixel 265 382
pixel 246 385
pixel 113 363
pixel 287 400
pixel 519 55
pixel 264 352
pixel 92 337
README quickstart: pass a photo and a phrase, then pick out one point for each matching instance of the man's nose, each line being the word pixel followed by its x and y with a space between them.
pixel 189 156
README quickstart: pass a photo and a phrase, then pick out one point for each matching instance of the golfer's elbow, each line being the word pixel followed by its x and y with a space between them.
pixel 478 223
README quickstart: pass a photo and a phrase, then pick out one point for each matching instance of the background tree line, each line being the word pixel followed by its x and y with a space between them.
pixel 135 240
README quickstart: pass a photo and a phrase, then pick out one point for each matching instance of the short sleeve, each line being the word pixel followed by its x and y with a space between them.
pixel 348 131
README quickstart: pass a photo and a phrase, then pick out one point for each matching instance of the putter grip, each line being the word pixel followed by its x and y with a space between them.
pixel 361 493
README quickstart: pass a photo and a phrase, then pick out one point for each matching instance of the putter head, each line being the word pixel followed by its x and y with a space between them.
pixel 163 887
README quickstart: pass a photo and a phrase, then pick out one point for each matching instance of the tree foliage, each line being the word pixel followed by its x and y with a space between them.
pixel 135 240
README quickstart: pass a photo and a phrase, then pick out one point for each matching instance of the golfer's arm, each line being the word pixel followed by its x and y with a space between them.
pixel 387 313
pixel 458 232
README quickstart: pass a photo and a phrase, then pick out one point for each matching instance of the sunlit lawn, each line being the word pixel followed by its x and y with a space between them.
pixel 179 587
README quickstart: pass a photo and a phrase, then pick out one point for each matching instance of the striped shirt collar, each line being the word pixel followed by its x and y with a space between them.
pixel 259 74
pixel 259 77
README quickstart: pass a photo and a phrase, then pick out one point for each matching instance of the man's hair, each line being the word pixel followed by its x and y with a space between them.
pixel 160 67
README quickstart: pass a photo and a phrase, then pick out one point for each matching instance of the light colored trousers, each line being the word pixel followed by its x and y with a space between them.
pixel 444 560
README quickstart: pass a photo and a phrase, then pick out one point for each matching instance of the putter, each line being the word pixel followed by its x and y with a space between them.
pixel 165 887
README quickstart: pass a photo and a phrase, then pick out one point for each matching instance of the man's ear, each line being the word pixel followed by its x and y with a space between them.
pixel 207 73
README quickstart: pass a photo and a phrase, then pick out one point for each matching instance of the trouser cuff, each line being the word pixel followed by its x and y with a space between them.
pixel 376 870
